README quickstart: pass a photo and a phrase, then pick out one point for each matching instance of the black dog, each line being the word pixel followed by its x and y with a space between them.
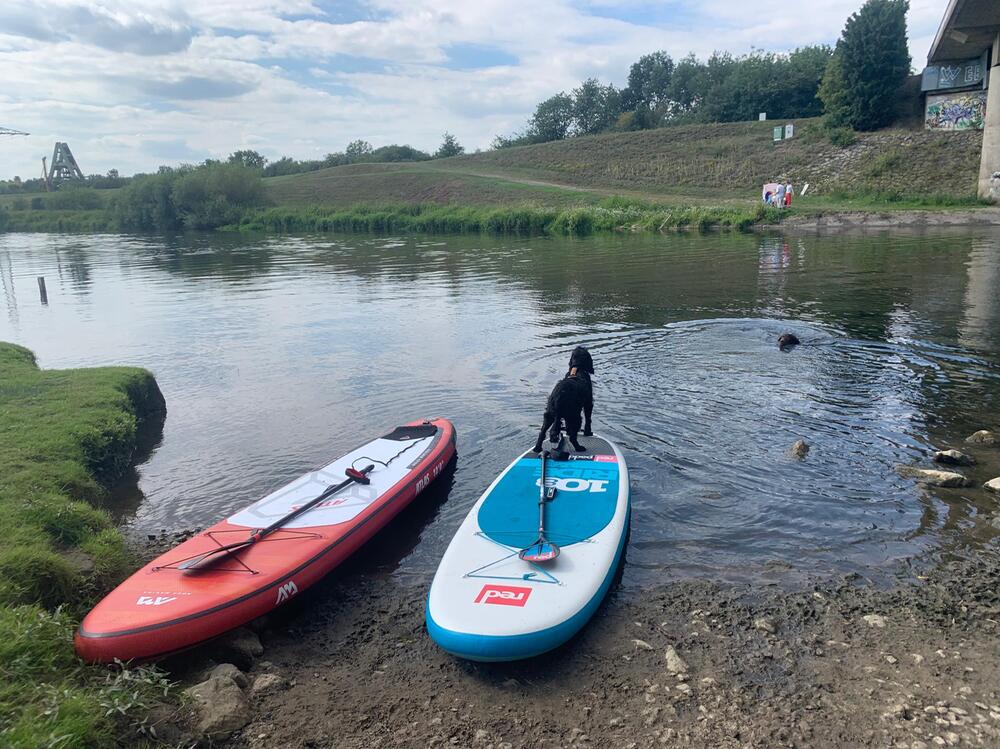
pixel 787 340
pixel 571 395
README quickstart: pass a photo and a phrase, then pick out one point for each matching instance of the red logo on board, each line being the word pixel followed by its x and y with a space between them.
pixel 503 595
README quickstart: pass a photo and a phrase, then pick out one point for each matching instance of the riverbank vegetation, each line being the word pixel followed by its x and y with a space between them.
pixel 715 169
pixel 614 214
pixel 65 437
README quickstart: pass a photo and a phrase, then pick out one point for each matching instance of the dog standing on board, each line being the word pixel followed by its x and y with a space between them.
pixel 572 396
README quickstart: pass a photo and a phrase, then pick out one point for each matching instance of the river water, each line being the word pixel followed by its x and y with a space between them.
pixel 276 353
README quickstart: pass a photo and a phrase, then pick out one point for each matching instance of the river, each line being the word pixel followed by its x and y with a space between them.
pixel 278 352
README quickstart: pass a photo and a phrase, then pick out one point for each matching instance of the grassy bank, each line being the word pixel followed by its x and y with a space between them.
pixel 65 436
pixel 614 214
pixel 698 176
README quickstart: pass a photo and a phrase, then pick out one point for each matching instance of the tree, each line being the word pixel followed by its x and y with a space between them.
pixel 553 119
pixel 358 150
pixel 449 147
pixel 248 158
pixel 870 64
pixel 648 82
pixel 595 107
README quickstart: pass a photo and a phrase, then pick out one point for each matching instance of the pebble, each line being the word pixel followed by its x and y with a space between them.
pixel 874 620
pixel 993 485
pixel 268 683
pixel 764 625
pixel 642 645
pixel 675 664
pixel 891 660
pixel 684 689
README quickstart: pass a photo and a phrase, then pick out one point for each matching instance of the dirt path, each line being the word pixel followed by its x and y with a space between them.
pixel 842 664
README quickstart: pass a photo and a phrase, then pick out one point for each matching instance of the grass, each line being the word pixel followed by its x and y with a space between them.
pixel 65 436
pixel 613 214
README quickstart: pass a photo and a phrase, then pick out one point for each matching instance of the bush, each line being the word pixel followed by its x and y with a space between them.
pixel 205 197
pixel 74 199
pixel 842 136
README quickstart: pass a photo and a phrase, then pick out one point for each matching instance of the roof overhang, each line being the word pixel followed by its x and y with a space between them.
pixel 968 29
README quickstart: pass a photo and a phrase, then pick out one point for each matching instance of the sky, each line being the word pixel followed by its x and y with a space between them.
pixel 133 84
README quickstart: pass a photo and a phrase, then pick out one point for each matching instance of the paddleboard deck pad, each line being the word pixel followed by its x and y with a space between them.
pixel 164 608
pixel 486 603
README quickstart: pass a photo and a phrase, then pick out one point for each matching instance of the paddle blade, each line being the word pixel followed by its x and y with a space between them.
pixel 540 551
pixel 195 563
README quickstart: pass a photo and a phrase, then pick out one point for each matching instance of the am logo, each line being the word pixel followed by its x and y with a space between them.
pixel 154 600
pixel 286 591
pixel 503 595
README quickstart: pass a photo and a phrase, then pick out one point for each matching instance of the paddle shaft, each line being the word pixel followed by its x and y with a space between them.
pixel 257 535
pixel 277 524
pixel 541 501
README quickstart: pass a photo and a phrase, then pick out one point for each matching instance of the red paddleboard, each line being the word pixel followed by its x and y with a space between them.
pixel 170 605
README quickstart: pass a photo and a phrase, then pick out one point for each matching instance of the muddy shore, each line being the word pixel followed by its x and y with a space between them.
pixel 839 663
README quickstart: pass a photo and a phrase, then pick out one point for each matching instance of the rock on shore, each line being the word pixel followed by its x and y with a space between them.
pixel 953 458
pixel 983 437
pixel 930 477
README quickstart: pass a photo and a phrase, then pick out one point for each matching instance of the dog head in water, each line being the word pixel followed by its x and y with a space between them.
pixel 582 360
pixel 787 340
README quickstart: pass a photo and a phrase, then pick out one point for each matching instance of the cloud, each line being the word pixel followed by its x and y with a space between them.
pixel 191 88
pixel 130 83
pixel 118 30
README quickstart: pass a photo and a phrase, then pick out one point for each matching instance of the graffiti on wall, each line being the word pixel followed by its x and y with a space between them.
pixel 961 111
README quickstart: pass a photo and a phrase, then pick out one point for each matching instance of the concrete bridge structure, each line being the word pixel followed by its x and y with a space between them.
pixel 971 28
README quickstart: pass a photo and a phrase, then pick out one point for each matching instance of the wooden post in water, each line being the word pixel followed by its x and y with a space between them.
pixel 41 291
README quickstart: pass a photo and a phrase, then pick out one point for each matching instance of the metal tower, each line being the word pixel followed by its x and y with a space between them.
pixel 64 166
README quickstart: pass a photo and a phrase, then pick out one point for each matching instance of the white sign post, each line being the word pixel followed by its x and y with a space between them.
pixel 789 131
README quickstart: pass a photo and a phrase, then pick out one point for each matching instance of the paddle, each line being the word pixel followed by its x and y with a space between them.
pixel 353 476
pixel 542 550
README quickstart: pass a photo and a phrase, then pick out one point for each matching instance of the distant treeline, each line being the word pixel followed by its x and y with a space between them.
pixel 357 152
pixel 661 92
pixel 854 85
pixel 107 181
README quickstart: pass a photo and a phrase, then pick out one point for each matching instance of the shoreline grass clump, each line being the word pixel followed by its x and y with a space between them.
pixel 65 437
pixel 612 215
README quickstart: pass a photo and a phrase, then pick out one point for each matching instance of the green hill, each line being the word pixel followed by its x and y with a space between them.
pixel 720 164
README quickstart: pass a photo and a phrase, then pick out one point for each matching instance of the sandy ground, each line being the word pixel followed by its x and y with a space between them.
pixel 840 663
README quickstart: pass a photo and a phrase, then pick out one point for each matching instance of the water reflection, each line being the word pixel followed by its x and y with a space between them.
pixel 275 353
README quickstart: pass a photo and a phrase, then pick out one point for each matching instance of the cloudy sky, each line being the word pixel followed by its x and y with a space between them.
pixel 132 84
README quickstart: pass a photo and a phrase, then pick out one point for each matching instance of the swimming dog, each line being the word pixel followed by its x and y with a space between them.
pixel 787 340
pixel 571 395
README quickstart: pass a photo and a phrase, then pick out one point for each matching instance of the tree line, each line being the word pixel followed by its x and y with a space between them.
pixel 357 152
pixel 849 85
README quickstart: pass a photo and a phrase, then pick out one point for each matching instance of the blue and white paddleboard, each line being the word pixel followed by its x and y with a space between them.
pixel 486 603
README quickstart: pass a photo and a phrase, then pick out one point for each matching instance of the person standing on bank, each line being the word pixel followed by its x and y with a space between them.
pixel 779 195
